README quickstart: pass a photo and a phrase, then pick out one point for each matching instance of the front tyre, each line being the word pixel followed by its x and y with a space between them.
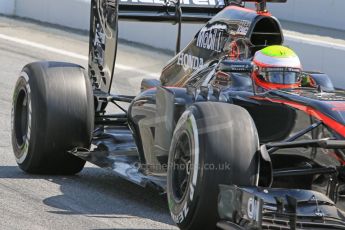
pixel 52 113
pixel 213 143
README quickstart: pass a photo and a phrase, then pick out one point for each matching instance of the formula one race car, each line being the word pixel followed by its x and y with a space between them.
pixel 235 132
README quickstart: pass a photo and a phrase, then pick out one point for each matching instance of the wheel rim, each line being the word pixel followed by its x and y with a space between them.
pixel 21 118
pixel 181 167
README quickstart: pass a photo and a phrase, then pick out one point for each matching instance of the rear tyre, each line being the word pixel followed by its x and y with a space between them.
pixel 52 113
pixel 213 143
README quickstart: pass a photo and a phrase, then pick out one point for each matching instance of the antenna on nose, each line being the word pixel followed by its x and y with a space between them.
pixel 261 6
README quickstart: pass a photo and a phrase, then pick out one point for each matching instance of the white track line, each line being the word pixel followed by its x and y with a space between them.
pixel 71 54
pixel 147 73
pixel 314 41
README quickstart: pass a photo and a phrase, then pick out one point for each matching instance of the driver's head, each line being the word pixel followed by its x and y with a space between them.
pixel 276 67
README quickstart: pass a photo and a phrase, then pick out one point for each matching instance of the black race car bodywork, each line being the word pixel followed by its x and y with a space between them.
pixel 301 131
pixel 300 180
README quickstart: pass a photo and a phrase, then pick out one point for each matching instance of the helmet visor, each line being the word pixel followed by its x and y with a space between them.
pixel 281 77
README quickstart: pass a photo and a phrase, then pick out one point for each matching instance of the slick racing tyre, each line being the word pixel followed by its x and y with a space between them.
pixel 52 113
pixel 213 143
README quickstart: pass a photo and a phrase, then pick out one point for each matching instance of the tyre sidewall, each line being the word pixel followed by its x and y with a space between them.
pixel 208 174
pixel 35 113
pixel 21 151
pixel 181 210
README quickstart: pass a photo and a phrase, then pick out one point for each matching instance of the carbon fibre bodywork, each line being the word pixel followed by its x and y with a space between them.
pixel 260 208
pixel 234 30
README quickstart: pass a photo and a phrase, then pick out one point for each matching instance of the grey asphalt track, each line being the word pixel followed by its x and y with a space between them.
pixel 95 198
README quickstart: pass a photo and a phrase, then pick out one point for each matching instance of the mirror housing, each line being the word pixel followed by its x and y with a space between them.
pixel 315 79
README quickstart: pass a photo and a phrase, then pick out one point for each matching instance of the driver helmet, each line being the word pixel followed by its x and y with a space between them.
pixel 276 67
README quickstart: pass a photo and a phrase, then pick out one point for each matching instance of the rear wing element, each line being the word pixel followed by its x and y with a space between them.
pixel 169 11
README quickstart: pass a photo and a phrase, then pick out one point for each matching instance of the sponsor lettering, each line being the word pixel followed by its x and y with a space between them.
pixel 211 38
pixel 242 29
pixel 182 215
pixel 238 27
pixel 253 209
pixel 214 37
pixel 188 61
